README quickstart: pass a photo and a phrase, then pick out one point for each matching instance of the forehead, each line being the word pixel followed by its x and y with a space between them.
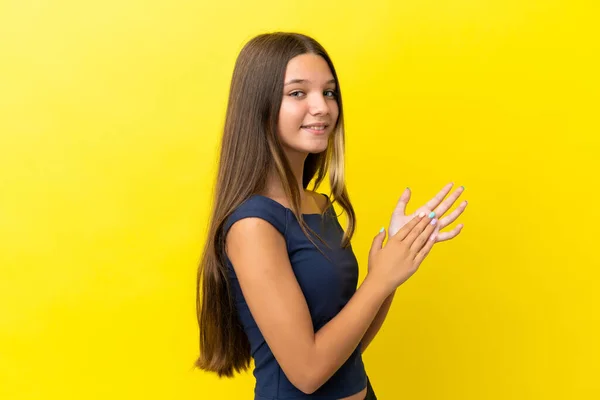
pixel 310 67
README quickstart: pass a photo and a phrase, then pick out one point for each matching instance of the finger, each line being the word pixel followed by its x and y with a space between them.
pixel 443 236
pixel 450 218
pixel 446 204
pixel 437 199
pixel 406 229
pixel 403 202
pixel 377 242
pixel 418 229
pixel 423 237
pixel 420 256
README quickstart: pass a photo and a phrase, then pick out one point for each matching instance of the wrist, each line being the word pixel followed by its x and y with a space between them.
pixel 377 287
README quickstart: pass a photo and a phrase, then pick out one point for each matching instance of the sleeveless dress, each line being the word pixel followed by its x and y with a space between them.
pixel 327 285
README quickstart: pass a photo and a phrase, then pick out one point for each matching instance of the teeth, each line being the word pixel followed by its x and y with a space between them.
pixel 318 128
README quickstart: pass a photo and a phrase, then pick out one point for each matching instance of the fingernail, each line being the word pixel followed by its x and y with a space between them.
pixel 432 214
pixel 433 236
pixel 463 187
pixel 433 221
pixel 421 214
pixel 381 230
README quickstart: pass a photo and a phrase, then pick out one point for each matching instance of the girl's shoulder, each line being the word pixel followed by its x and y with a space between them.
pixel 258 206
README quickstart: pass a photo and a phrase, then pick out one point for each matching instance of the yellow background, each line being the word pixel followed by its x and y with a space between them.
pixel 110 116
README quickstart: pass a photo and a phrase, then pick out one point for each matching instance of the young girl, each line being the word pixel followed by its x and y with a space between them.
pixel 277 282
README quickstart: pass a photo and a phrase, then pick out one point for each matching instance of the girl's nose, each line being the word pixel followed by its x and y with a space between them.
pixel 318 105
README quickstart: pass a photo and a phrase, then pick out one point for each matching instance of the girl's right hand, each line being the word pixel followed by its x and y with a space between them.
pixel 393 264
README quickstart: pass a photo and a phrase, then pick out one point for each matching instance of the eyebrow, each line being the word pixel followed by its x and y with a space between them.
pixel 305 81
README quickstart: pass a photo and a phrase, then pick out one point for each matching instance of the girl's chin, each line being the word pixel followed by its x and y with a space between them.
pixel 312 145
pixel 309 149
pixel 316 147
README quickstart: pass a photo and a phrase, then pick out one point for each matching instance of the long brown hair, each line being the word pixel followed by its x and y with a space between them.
pixel 249 150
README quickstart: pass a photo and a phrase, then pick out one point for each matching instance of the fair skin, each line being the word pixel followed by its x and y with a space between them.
pixel 308 100
pixel 400 218
pixel 259 255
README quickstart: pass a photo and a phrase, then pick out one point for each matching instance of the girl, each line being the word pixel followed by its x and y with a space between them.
pixel 277 281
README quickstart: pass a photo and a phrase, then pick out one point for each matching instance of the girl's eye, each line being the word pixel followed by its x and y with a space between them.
pixel 328 93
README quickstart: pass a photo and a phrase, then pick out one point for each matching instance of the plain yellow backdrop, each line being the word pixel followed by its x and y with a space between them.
pixel 110 117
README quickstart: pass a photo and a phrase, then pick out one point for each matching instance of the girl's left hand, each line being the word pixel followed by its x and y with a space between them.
pixel 399 219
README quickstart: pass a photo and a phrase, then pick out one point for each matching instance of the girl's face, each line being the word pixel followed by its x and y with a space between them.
pixel 309 109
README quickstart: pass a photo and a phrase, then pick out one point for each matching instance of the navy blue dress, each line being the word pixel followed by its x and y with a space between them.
pixel 327 285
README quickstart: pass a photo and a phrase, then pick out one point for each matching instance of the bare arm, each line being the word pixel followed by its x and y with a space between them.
pixel 259 256
pixel 377 323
